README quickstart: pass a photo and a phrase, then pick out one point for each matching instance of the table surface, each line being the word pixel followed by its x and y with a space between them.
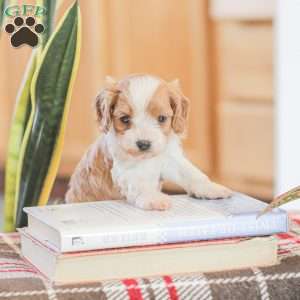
pixel 19 280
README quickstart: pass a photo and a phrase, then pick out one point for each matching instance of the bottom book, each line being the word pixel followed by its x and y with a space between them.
pixel 204 256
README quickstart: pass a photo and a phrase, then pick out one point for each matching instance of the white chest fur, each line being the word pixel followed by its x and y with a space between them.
pixel 131 176
pixel 136 174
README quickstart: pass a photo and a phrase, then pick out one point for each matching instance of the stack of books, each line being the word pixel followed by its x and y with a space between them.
pixel 112 239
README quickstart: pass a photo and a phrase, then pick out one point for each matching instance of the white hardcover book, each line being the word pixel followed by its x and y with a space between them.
pixel 114 224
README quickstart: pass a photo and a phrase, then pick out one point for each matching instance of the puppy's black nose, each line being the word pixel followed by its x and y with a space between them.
pixel 143 145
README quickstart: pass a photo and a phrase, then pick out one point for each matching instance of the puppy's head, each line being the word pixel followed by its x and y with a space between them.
pixel 141 112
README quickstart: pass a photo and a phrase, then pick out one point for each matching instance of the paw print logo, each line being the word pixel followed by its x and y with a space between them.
pixel 24 31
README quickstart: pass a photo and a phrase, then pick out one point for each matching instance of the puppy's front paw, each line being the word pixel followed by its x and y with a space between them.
pixel 210 190
pixel 155 201
pixel 163 202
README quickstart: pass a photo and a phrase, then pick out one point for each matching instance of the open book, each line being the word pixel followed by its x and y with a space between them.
pixel 114 224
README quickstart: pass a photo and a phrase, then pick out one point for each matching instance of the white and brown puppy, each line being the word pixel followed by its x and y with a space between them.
pixel 143 119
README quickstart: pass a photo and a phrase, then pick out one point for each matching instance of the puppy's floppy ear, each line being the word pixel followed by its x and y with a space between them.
pixel 105 102
pixel 180 106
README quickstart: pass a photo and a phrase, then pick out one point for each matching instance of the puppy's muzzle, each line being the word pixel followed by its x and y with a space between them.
pixel 143 145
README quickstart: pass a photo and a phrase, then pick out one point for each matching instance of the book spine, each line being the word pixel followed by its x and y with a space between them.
pixel 227 227
pixel 233 226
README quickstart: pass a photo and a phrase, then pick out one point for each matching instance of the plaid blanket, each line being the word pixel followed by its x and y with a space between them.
pixel 19 280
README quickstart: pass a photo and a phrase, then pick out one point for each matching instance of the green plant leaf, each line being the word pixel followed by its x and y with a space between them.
pixel 2 5
pixel 48 19
pixel 50 90
pixel 20 120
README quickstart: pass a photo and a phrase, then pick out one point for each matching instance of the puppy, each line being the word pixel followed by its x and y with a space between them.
pixel 143 119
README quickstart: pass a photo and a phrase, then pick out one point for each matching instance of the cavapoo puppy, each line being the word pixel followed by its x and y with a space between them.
pixel 142 119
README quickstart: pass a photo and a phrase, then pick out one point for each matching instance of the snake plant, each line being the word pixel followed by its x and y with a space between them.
pixel 2 6
pixel 37 130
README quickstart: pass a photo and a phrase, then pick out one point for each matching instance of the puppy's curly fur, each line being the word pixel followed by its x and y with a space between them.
pixel 142 119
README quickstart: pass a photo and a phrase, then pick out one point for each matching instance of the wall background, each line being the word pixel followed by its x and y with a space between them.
pixel 220 50
pixel 287 59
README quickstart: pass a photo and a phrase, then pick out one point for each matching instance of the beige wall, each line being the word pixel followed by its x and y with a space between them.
pixel 223 59
pixel 166 38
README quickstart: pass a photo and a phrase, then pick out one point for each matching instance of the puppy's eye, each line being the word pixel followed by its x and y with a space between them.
pixel 162 119
pixel 125 119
